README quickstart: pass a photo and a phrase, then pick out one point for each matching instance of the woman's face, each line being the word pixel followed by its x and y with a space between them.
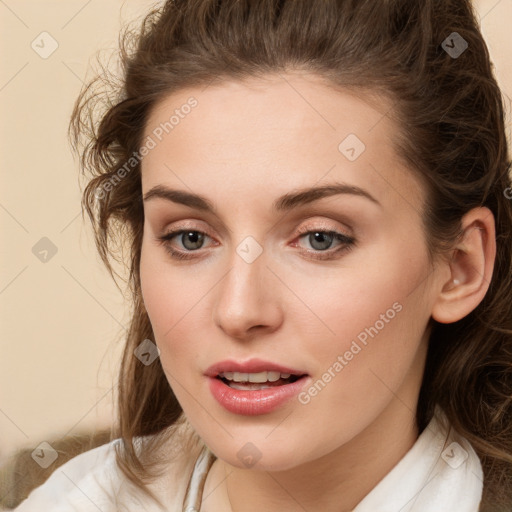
pixel 349 310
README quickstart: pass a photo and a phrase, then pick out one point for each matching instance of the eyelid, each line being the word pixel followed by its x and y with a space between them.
pixel 191 225
pixel 348 242
pixel 310 225
pixel 175 232
pixel 320 225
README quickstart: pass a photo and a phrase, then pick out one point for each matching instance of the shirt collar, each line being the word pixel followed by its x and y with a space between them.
pixel 441 472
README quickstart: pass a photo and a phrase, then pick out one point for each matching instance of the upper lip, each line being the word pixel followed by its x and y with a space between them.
pixel 249 366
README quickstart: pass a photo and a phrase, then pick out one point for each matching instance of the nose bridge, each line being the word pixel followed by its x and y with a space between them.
pixel 242 287
pixel 246 296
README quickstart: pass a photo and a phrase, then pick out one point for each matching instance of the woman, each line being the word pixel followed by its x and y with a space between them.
pixel 315 200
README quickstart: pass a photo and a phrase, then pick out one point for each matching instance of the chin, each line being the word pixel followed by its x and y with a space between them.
pixel 262 456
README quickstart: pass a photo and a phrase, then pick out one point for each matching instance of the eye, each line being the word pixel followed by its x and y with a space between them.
pixel 321 241
pixel 191 240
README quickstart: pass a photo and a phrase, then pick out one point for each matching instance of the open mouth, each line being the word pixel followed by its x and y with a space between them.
pixel 256 392
pixel 247 386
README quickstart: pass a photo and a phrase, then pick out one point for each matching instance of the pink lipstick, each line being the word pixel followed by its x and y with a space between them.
pixel 255 386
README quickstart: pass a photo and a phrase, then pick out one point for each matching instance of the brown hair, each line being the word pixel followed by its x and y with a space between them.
pixel 455 140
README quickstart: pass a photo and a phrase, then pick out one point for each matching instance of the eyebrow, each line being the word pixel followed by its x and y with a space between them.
pixel 281 204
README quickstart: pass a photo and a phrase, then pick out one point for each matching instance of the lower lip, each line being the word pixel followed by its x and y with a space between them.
pixel 253 402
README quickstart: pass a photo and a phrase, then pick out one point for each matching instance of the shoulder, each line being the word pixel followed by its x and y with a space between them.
pixel 86 481
pixel 93 481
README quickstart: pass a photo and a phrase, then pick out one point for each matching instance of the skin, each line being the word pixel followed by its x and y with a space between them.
pixel 243 146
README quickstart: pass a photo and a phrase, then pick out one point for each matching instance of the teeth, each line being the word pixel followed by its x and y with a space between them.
pixel 248 387
pixel 254 377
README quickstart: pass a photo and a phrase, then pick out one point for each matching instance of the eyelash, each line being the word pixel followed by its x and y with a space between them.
pixel 348 243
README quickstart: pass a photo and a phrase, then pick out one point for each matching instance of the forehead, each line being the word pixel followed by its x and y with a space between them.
pixel 303 103
pixel 283 130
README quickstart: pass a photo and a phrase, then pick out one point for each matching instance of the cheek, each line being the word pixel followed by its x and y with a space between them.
pixel 157 286
pixel 381 292
pixel 370 312
pixel 373 318
pixel 172 297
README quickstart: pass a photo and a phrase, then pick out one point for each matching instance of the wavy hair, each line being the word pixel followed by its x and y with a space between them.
pixel 453 117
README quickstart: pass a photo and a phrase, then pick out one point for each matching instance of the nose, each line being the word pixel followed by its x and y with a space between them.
pixel 247 300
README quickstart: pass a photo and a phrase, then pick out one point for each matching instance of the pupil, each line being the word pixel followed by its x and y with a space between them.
pixel 195 237
pixel 323 238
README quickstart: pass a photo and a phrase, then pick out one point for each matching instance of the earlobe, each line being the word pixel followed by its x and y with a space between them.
pixel 471 268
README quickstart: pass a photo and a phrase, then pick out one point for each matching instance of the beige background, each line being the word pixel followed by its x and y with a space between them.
pixel 62 321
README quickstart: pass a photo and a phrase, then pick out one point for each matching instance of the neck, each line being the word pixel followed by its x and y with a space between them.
pixel 335 482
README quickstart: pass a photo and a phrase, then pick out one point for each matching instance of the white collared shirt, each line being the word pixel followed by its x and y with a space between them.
pixel 440 473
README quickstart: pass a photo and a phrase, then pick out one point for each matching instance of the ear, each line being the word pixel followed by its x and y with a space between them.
pixel 471 268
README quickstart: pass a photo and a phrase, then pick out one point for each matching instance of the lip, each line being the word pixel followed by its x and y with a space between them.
pixel 251 366
pixel 254 402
